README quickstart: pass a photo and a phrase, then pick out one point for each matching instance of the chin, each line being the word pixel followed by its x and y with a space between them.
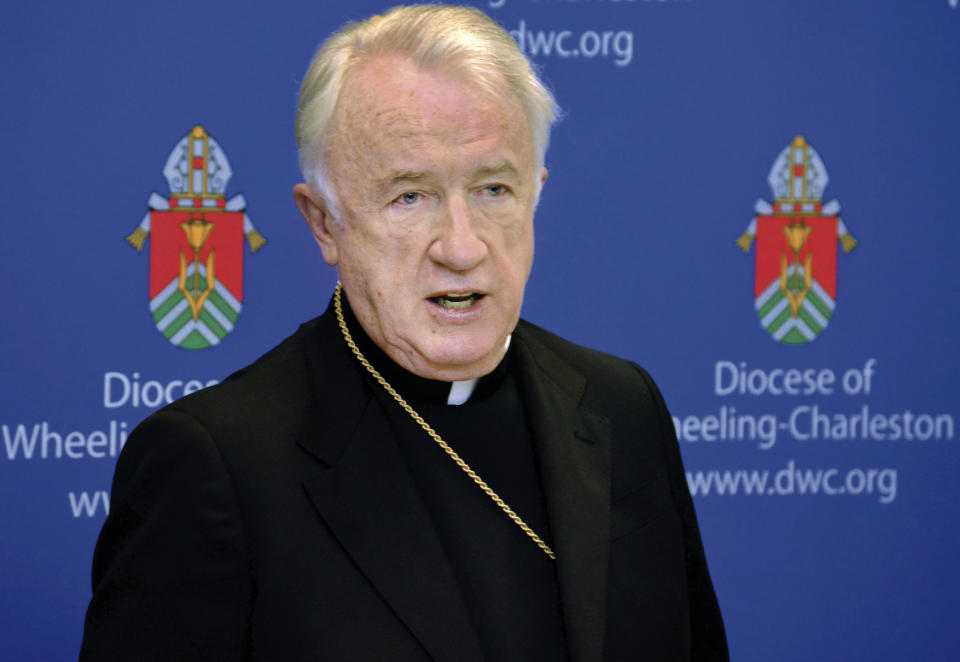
pixel 458 359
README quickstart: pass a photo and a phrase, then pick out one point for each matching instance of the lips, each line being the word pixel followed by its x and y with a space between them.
pixel 453 301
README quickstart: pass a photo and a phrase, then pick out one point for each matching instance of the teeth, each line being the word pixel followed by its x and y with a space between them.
pixel 457 302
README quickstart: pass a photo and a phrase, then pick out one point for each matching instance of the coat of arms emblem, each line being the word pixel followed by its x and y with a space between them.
pixel 795 284
pixel 196 245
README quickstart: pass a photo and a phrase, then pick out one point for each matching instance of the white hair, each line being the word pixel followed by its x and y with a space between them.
pixel 460 40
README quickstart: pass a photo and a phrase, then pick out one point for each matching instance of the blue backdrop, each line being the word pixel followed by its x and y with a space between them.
pixel 824 472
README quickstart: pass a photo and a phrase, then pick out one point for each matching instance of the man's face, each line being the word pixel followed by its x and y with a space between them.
pixel 436 184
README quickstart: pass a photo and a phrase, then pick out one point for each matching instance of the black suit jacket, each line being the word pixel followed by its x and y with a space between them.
pixel 272 517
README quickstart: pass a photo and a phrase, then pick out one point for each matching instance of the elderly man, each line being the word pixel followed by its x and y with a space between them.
pixel 416 474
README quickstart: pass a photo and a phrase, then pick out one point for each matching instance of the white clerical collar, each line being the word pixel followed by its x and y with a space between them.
pixel 461 391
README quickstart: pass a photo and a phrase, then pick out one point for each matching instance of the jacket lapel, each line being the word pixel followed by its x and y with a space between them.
pixel 368 499
pixel 573 450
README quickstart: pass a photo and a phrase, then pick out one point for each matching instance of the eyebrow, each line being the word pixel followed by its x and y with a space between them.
pixel 501 167
pixel 399 176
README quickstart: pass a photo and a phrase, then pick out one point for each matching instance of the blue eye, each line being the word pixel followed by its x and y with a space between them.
pixel 496 190
pixel 409 198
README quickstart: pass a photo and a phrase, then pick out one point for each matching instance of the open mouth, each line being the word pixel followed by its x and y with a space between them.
pixel 457 301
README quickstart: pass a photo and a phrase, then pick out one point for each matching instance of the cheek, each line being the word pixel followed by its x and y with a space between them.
pixel 519 246
pixel 367 247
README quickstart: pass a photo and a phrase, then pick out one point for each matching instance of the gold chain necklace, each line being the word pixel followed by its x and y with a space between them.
pixel 430 431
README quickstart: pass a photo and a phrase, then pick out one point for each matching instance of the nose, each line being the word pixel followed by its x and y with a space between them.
pixel 458 246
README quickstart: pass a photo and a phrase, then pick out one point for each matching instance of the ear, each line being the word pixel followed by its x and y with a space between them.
pixel 317 214
pixel 539 189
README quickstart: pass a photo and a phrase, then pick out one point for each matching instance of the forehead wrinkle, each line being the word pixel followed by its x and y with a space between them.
pixel 383 124
pixel 397 119
pixel 413 115
pixel 421 120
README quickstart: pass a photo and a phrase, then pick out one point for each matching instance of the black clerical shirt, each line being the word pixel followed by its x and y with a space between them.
pixel 508 583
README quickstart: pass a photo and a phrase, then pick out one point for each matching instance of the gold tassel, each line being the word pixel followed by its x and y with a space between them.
pixel 137 237
pixel 744 242
pixel 848 242
pixel 255 240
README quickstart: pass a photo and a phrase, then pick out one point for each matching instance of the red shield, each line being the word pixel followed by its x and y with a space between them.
pixel 196 274
pixel 168 240
pixel 821 243
pixel 795 284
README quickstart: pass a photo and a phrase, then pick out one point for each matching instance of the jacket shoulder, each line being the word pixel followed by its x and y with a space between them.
pixel 601 369
pixel 270 393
